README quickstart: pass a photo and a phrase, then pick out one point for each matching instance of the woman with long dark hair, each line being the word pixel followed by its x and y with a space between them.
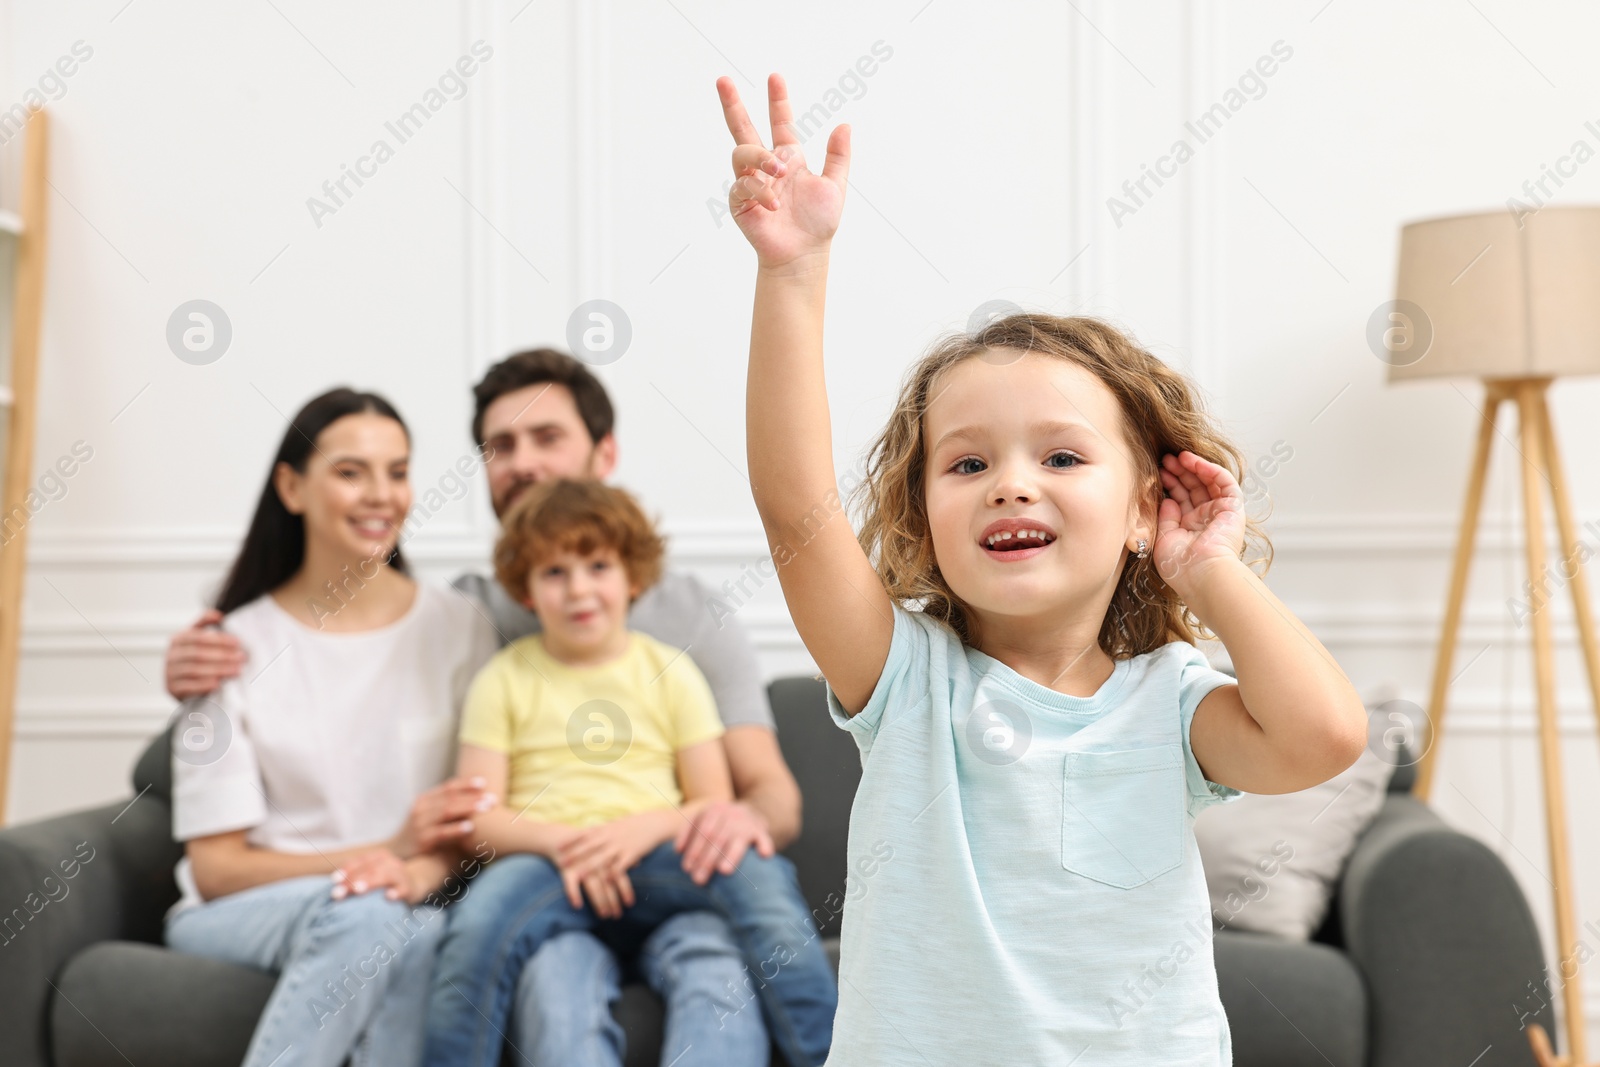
pixel 307 790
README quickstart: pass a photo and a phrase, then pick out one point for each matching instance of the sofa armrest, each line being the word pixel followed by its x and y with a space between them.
pixel 66 883
pixel 1445 941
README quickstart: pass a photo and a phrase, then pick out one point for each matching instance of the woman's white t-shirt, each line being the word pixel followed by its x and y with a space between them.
pixel 325 739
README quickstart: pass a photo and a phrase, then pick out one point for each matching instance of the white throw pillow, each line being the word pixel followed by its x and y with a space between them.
pixel 1272 860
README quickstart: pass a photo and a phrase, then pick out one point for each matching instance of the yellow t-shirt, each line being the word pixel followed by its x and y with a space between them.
pixel 587 745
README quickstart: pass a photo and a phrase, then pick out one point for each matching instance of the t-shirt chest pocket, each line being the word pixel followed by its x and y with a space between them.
pixel 1122 819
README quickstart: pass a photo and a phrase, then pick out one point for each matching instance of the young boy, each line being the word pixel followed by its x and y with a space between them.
pixel 601 741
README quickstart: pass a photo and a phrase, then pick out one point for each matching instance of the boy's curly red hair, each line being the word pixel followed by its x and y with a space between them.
pixel 580 516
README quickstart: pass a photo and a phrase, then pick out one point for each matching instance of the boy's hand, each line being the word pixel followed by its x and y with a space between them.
pixel 784 210
pixel 611 848
pixel 1200 521
pixel 609 890
pixel 609 893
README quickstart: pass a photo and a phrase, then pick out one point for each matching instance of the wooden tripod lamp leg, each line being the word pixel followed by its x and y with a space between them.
pixel 1466 540
pixel 1571 566
pixel 1543 1054
pixel 1530 408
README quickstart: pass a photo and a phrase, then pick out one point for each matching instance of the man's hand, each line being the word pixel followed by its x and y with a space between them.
pixel 440 816
pixel 200 659
pixel 716 838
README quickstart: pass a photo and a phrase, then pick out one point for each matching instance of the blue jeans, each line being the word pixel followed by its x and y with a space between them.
pixel 564 998
pixel 353 974
pixel 517 904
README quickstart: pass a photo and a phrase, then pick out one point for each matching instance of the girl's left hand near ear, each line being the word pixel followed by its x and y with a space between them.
pixel 1200 521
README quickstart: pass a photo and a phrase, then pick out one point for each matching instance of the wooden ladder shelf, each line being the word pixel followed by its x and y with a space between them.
pixel 26 230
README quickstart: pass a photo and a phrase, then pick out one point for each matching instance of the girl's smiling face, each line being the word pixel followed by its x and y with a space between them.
pixel 1029 445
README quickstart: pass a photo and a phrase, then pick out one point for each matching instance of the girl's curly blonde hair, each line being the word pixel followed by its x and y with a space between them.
pixel 1162 412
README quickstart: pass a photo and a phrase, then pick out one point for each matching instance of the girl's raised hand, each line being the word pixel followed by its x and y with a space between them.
pixel 1201 519
pixel 785 211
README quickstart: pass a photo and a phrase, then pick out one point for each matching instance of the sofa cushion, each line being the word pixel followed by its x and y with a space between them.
pixel 827 766
pixel 121 1002
pixel 154 769
pixel 152 1005
pixel 1290 1004
pixel 1272 862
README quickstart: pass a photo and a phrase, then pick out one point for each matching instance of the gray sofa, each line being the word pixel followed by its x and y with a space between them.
pixel 1424 959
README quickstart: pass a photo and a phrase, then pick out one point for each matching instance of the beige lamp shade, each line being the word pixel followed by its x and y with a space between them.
pixel 1495 295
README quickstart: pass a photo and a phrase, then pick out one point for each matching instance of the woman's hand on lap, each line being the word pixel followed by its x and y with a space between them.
pixel 785 211
pixel 378 869
pixel 410 880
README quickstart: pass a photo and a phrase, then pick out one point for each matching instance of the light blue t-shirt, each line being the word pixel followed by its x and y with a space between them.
pixel 1024 885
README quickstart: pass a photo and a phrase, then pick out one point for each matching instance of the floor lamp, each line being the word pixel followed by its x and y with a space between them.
pixel 1512 299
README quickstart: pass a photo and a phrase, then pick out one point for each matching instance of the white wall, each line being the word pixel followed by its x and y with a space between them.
pixel 579 164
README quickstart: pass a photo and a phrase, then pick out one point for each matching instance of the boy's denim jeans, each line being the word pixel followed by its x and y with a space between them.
pixel 563 1010
pixel 517 904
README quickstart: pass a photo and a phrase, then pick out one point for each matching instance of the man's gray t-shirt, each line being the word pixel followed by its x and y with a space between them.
pixel 675 610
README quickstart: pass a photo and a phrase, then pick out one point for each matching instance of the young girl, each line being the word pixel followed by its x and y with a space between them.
pixel 1038 736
